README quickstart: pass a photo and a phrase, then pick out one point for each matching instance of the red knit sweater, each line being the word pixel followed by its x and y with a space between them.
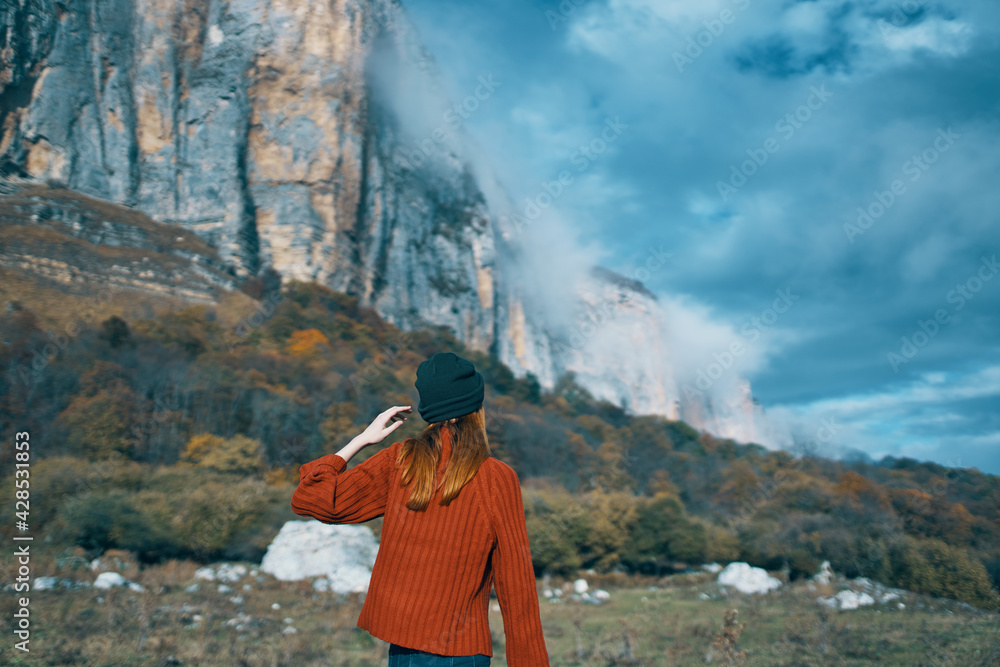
pixel 430 585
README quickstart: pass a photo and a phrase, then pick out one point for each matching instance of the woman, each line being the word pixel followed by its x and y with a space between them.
pixel 454 525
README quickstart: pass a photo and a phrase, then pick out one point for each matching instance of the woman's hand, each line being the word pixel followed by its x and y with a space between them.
pixel 380 428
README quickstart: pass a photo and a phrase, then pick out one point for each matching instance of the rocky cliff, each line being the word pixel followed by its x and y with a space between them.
pixel 312 137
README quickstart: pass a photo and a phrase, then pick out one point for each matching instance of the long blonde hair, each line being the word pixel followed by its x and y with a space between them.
pixel 469 448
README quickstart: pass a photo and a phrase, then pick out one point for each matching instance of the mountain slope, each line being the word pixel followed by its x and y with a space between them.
pixel 313 138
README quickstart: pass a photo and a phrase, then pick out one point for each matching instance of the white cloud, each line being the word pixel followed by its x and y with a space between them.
pixel 902 415
pixel 985 440
pixel 698 335
pixel 631 31
pixel 805 18
pixel 946 38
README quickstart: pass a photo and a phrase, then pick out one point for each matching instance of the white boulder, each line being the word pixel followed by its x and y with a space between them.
pixel 856 600
pixel 52 583
pixel 45 583
pixel 747 579
pixel 847 599
pixel 109 580
pixel 342 553
pixel 239 622
pixel 227 572
pixel 580 586
pixel 711 567
pixel 825 574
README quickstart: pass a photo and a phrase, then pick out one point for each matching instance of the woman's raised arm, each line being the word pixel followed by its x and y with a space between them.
pixel 330 493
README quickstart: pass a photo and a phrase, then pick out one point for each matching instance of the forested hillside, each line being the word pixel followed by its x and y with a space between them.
pixel 180 435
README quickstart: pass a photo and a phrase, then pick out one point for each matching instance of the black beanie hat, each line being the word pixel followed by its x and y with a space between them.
pixel 449 386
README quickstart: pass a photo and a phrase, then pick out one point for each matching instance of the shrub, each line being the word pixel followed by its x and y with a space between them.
pixel 661 532
pixel 934 567
pixel 721 545
pixel 97 427
pixel 238 455
pixel 610 516
pixel 557 527
pixel 180 513
pixel 114 518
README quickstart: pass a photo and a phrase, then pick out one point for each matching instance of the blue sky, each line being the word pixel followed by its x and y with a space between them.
pixel 749 134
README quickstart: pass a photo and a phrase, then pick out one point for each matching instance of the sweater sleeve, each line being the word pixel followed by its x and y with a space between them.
pixel 513 575
pixel 330 494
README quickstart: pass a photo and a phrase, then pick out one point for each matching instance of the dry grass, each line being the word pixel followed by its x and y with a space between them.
pixel 16 208
pixel 669 625
pixel 32 230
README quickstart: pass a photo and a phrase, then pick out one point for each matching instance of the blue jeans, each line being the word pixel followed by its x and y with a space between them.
pixel 400 656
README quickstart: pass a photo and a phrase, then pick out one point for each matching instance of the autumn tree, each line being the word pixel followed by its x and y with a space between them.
pixel 661 533
pixel 611 514
pixel 306 341
pixel 612 472
pixel 739 483
pixel 239 454
pixel 558 525
pixel 98 425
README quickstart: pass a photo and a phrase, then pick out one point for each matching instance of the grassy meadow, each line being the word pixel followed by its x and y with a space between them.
pixel 646 621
